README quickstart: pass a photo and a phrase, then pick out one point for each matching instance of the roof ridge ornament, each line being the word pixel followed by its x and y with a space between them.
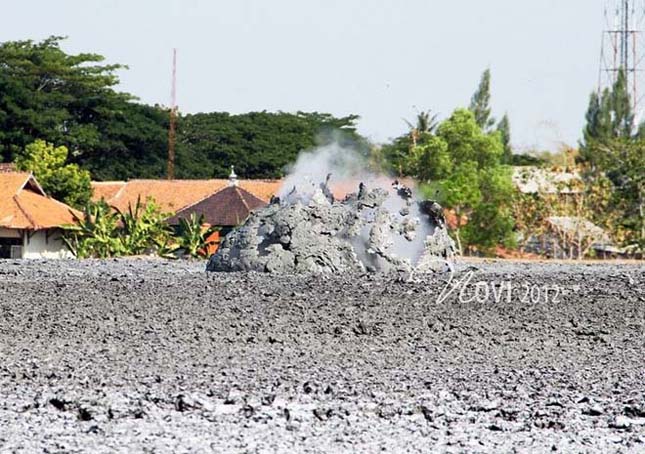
pixel 232 178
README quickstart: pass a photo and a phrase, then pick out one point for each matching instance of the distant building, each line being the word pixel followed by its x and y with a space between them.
pixel 533 180
pixel 225 209
pixel 30 222
pixel 224 203
pixel 174 195
pixel 573 237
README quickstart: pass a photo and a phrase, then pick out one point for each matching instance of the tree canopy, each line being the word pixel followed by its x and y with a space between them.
pixel 48 94
pixel 259 144
pixel 72 101
pixel 461 166
pixel 59 179
pixel 480 103
pixel 609 116
pixel 504 128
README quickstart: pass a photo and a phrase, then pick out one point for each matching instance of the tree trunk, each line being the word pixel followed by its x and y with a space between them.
pixel 461 252
pixel 641 208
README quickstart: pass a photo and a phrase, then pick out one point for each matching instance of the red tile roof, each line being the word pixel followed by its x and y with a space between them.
pixel 106 190
pixel 24 205
pixel 227 207
pixel 173 195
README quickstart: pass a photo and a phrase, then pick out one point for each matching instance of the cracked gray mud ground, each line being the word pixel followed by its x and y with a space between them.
pixel 151 356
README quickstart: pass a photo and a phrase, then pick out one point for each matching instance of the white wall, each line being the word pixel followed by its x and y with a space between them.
pixel 45 244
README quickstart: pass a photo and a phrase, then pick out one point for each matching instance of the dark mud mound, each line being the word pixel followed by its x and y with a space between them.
pixel 373 230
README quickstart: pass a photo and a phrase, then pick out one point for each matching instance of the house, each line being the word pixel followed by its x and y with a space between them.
pixel 173 195
pixel 30 222
pixel 227 208
pixel 224 203
pixel 570 237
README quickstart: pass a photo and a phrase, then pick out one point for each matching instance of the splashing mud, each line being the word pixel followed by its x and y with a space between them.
pixel 315 225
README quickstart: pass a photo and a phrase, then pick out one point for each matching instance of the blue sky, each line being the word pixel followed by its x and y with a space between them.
pixel 382 59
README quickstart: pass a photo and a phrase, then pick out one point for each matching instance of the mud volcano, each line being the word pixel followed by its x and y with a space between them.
pixel 377 229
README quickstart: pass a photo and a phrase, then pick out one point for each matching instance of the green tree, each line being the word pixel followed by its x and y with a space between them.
pixel 620 104
pixel 70 100
pixel 613 149
pixel 48 94
pixel 598 119
pixel 609 116
pixel 492 222
pixel 468 142
pixel 259 144
pixel 474 185
pixel 480 103
pixel 621 161
pixel 431 161
pixel 134 144
pixel 65 182
pixel 504 129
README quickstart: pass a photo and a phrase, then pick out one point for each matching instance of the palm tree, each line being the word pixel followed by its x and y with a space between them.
pixel 426 124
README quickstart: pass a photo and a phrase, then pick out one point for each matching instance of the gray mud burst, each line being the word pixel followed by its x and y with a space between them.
pixel 376 230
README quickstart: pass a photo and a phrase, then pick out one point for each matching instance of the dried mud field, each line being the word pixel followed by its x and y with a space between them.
pixel 156 356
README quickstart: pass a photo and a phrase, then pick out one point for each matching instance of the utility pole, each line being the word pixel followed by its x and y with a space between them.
pixel 622 48
pixel 173 119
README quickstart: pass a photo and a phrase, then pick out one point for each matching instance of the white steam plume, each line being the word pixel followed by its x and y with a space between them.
pixel 348 169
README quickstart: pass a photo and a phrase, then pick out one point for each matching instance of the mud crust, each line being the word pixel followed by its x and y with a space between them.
pixel 155 356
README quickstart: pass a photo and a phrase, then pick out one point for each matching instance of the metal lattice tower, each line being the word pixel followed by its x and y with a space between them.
pixel 623 48
pixel 170 173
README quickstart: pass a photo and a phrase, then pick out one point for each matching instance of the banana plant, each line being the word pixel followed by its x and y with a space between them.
pixel 143 228
pixel 95 233
pixel 102 232
pixel 194 236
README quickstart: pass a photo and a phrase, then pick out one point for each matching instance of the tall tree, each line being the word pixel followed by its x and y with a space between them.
pixel 597 121
pixel 259 144
pixel 134 143
pixel 480 103
pixel 431 161
pixel 425 124
pixel 620 104
pixel 613 154
pixel 622 162
pixel 48 94
pixel 504 129
pixel 609 116
pixel 470 180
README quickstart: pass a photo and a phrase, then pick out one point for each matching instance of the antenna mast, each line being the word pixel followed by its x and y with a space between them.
pixel 622 48
pixel 173 119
